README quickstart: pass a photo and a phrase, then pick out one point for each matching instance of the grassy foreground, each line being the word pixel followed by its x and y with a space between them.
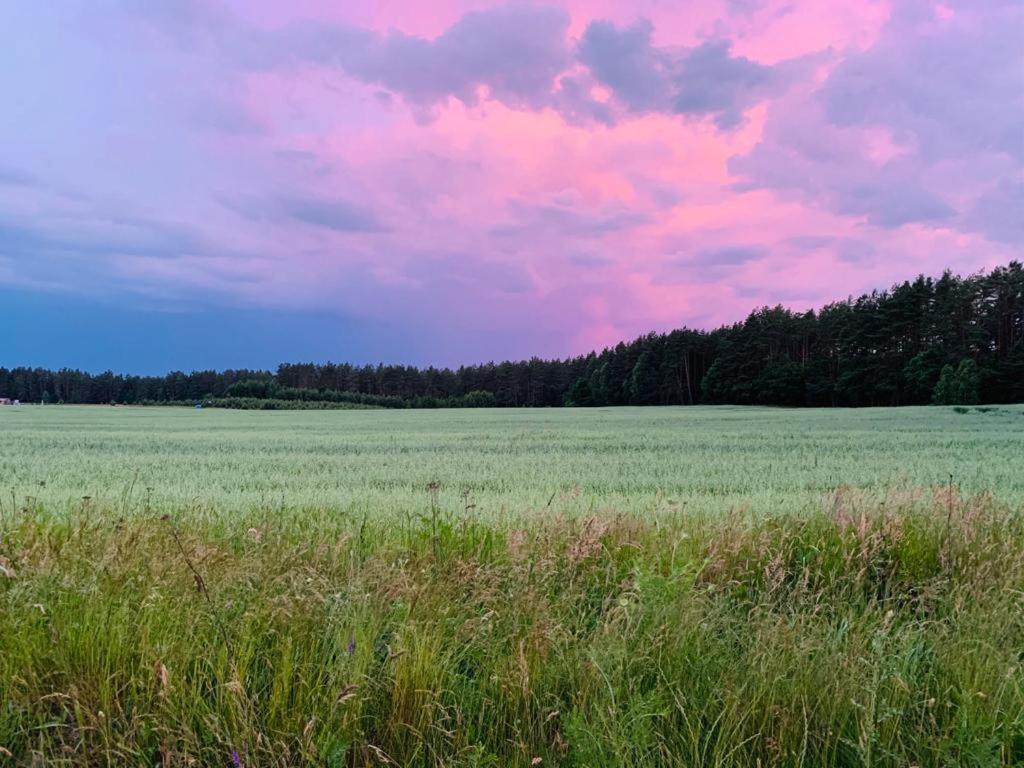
pixel 871 631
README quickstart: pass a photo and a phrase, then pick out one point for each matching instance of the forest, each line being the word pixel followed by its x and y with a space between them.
pixel 951 340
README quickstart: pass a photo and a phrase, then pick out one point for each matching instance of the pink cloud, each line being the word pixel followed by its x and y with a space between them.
pixel 565 175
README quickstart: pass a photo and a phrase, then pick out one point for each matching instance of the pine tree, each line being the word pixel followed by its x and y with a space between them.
pixel 945 389
pixel 643 381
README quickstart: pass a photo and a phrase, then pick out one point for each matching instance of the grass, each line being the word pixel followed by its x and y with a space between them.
pixel 621 460
pixel 617 615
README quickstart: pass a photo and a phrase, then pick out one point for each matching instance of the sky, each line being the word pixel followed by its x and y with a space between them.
pixel 237 183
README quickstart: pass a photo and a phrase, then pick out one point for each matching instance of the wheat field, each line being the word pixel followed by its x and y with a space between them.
pixel 510 461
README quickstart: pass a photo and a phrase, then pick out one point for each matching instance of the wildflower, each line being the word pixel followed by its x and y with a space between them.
pixel 351 648
pixel 236 761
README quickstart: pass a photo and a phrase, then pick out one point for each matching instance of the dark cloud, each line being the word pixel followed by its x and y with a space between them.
pixel 564 217
pixel 337 215
pixel 712 82
pixel 310 161
pixel 589 259
pixel 951 87
pixel 451 275
pixel 706 265
pixel 17 239
pixel 911 129
pixel 624 60
pixel 660 193
pixel 85 251
pixel 574 102
pixel 837 177
pixel 97 236
pixel 221 113
pixel 16 178
pixel 519 53
pixel 759 295
pixel 727 256
pixel 999 213
pixel 326 213
pixel 131 334
pixel 845 248
pixel 515 52
pixel 891 205
pixel 705 81
pixel 743 7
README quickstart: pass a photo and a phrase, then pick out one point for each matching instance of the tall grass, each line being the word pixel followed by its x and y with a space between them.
pixel 871 631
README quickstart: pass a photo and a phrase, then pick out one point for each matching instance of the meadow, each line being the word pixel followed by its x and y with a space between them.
pixel 378 462
pixel 630 586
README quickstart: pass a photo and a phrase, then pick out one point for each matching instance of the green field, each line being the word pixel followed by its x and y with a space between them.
pixel 610 587
pixel 512 461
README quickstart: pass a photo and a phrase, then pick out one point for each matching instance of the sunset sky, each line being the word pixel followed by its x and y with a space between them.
pixel 205 183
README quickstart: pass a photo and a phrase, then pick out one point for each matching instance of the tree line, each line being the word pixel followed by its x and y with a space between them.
pixel 948 340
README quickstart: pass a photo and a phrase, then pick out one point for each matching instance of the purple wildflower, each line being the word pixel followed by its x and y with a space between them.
pixel 351 647
pixel 236 760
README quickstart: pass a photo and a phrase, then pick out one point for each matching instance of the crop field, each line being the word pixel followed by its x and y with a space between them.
pixel 622 460
pixel 601 587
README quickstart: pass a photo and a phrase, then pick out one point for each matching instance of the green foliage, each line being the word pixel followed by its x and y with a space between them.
pixel 579 395
pixel 643 381
pixel 968 382
pixel 600 386
pixel 921 374
pixel 959 386
pixel 277 404
pixel 263 389
pixel 782 383
pixel 945 390
pixel 478 398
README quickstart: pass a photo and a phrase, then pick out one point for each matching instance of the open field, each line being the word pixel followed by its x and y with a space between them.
pixel 619 460
pixel 634 587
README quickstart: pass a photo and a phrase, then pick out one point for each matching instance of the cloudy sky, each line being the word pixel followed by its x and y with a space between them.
pixel 192 183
